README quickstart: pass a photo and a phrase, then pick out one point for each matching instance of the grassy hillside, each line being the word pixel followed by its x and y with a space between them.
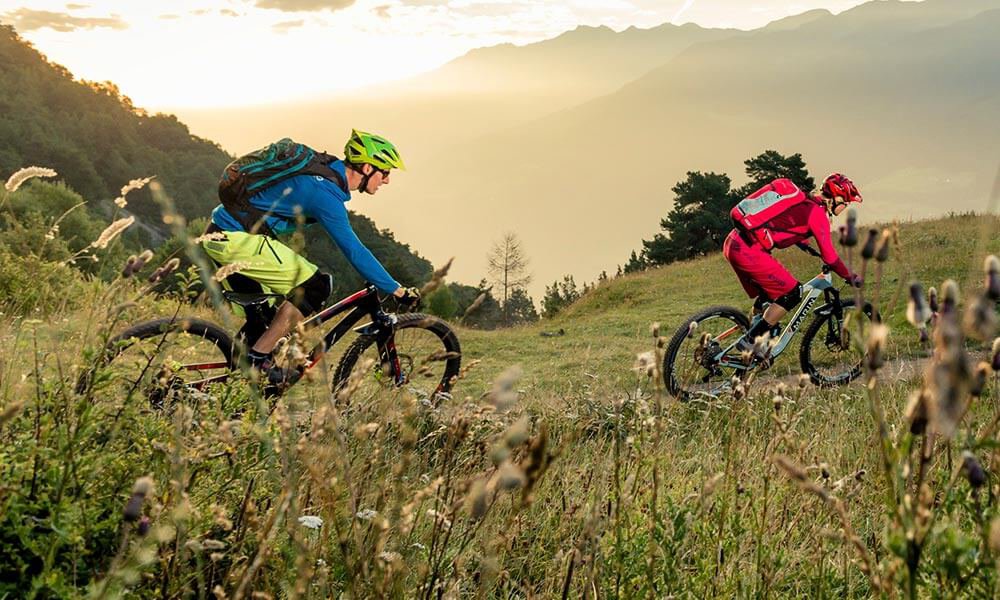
pixel 608 327
pixel 574 479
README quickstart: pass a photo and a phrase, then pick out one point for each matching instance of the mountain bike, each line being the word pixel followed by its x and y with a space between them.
pixel 163 356
pixel 702 358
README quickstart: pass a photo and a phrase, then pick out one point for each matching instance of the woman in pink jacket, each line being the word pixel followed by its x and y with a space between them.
pixel 767 280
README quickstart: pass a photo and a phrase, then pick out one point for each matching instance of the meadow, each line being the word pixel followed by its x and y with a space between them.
pixel 557 470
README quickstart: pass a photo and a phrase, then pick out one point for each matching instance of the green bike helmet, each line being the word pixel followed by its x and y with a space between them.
pixel 364 147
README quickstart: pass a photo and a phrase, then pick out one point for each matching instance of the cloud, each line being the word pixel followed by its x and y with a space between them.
pixel 304 5
pixel 26 19
pixel 226 12
pixel 382 11
pixel 285 26
pixel 169 17
pixel 77 6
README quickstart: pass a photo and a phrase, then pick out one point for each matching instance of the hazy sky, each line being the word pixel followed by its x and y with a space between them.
pixel 224 52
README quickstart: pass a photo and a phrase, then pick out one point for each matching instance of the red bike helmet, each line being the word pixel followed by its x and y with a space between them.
pixel 839 186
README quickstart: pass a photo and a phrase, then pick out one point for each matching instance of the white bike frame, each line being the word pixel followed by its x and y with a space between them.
pixel 811 291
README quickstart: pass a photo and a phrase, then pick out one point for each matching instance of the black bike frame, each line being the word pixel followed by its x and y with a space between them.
pixel 363 303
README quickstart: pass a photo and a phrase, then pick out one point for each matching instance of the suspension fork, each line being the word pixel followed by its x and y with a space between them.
pixel 385 341
pixel 832 297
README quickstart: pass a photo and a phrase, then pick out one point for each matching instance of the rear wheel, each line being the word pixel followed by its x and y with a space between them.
pixel 429 357
pixel 162 358
pixel 694 365
pixel 830 353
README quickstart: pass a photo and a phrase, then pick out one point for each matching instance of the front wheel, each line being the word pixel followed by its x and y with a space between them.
pixel 829 355
pixel 429 357
pixel 700 360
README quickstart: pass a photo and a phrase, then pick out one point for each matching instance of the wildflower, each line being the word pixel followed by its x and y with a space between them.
pixel 932 300
pixel 511 476
pixel 995 362
pixel 973 470
pixel 52 232
pixel 850 237
pixel 916 308
pixel 882 253
pixel 366 514
pixel 143 527
pixel 475 500
pixel 111 232
pixel 518 432
pixel 875 355
pixel 995 535
pixel 980 319
pixel 949 296
pixel 230 269
pixel 169 267
pixel 868 250
pixel 979 377
pixel 209 237
pixel 135 184
pixel 390 557
pixel 917 411
pixel 437 278
pixel 133 508
pixel 439 516
pixel 992 269
pixel 310 521
pixel 475 304
pixel 19 177
pixel 645 363
pixel 504 394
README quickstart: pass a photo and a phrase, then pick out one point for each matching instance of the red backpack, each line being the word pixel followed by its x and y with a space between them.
pixel 754 212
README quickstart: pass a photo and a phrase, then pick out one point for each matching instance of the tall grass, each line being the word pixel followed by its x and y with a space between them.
pixel 599 488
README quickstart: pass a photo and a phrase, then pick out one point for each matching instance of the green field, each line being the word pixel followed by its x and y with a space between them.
pixel 591 483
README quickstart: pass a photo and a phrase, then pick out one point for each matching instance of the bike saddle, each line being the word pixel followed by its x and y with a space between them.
pixel 248 299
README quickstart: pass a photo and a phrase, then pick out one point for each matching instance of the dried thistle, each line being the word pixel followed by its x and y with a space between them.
pixel 645 363
pixel 868 250
pixel 133 508
pixel 973 470
pixel 882 253
pixel 980 319
pixel 917 411
pixel 850 237
pixel 437 278
pixel 19 177
pixel 504 394
pixel 917 312
pixel 169 267
pixel 932 300
pixel 991 266
pixel 877 339
pixel 475 304
pixel 111 232
pixel 949 296
pixel 995 357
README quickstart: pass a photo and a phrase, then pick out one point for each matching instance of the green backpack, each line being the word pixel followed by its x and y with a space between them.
pixel 265 167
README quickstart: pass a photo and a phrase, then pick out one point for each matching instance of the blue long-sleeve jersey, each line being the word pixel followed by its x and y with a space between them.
pixel 320 199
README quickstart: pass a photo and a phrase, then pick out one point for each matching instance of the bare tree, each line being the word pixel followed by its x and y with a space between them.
pixel 508 268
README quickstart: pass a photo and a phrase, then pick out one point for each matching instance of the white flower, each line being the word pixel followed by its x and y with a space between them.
pixel 112 231
pixel 135 184
pixel 120 202
pixel 311 522
pixel 366 514
pixel 25 174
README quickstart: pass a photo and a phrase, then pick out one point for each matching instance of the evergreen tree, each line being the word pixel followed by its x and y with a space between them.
pixel 441 302
pixel 520 308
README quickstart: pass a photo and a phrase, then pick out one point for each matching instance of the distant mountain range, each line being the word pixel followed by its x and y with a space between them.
pixel 575 142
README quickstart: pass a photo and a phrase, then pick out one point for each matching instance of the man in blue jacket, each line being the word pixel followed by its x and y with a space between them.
pixel 272 267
